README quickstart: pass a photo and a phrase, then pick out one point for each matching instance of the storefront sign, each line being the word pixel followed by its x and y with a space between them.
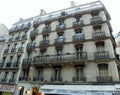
pixel 7 88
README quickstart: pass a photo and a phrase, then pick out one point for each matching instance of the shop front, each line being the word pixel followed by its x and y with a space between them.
pixel 6 89
pixel 79 90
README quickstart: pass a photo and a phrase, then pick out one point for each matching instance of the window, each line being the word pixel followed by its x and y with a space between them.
pixel 59 54
pixel 13 77
pixel 79 73
pixel 100 46
pixel 103 69
pixel 42 54
pixel 18 58
pixel 79 50
pixel 5 75
pixel 97 28
pixel 40 73
pixel 57 72
pixel 25 73
pixel 45 37
pixel 94 13
pixel 23 44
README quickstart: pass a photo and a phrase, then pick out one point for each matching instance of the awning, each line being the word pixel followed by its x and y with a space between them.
pixel 78 89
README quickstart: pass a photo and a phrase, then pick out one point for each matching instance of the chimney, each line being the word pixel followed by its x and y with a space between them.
pixel 72 4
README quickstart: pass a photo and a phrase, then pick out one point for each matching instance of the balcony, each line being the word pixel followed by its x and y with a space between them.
pixel 99 35
pixel 38 79
pixel 33 33
pixel 3 80
pixel 30 46
pixel 11 39
pixel 101 55
pixel 8 64
pixel 24 36
pixel 24 78
pixel 96 20
pixel 104 78
pixel 1 64
pixel 16 64
pixel 21 49
pixel 44 43
pixel 46 30
pixel 6 50
pixel 17 38
pixel 78 23
pixel 60 27
pixel 12 80
pixel 53 79
pixel 20 27
pixel 59 40
pixel 78 79
pixel 65 58
pixel 13 50
pixel 26 62
pixel 78 37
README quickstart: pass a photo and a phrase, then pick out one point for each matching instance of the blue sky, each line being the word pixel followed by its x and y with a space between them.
pixel 12 10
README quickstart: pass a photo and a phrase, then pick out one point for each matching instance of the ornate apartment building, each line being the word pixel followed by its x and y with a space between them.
pixel 70 51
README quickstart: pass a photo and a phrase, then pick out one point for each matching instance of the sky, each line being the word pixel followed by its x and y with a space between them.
pixel 12 10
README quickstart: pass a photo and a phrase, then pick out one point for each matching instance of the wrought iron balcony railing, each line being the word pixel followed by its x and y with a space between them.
pixel 56 79
pixel 16 64
pixel 13 49
pixel 34 33
pixel 6 51
pixel 96 20
pixel 44 43
pixel 38 79
pixel 78 23
pixel 104 79
pixel 24 36
pixel 12 80
pixel 60 40
pixel 98 35
pixel 1 64
pixel 31 44
pixel 101 55
pixel 8 64
pixel 82 78
pixel 60 58
pixel 78 37
pixel 46 30
pixel 21 49
pixel 24 78
pixel 4 80
pixel 17 38
pixel 26 61
pixel 60 27
pixel 10 39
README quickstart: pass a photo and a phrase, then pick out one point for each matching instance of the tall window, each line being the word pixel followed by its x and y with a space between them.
pixel 97 28
pixel 100 46
pixel 42 54
pixel 5 75
pixel 103 69
pixel 59 54
pixel 57 73
pixel 25 73
pixel 79 50
pixel 94 13
pixel 39 74
pixel 13 77
pixel 45 37
pixel 79 73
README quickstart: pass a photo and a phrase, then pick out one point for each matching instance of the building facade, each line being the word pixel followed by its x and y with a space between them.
pixel 70 51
